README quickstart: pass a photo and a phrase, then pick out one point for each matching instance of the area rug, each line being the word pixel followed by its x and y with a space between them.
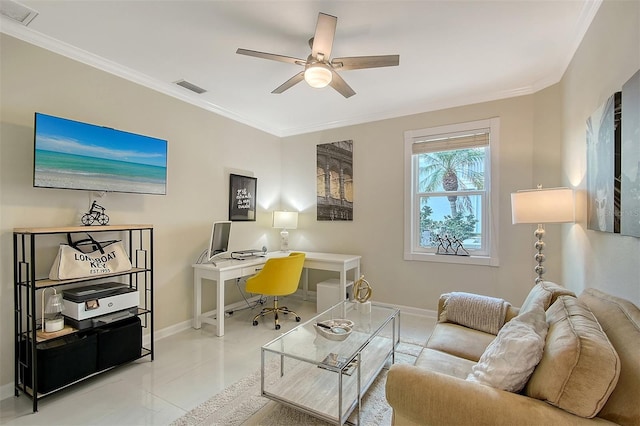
pixel 241 403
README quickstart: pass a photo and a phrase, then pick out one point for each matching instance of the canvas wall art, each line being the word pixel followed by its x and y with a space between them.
pixel 603 166
pixel 630 183
pixel 334 180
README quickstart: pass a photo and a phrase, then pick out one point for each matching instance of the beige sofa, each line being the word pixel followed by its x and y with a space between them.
pixel 589 372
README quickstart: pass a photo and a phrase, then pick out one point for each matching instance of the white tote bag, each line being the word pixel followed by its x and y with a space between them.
pixel 72 262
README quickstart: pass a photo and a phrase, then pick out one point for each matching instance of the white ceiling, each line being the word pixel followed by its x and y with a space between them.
pixel 452 52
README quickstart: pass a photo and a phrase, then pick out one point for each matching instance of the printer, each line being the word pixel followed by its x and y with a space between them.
pixel 97 304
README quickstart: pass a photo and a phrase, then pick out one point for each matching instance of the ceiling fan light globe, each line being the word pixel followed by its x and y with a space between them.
pixel 318 75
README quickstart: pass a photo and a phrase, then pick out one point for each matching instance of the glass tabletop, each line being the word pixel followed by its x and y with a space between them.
pixel 353 326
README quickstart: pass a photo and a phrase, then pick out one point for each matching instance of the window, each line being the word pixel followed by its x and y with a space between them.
pixel 450 189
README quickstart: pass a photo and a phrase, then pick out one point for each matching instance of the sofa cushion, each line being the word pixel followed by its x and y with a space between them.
pixel 544 292
pixel 620 320
pixel 459 340
pixel 579 367
pixel 510 359
pixel 444 363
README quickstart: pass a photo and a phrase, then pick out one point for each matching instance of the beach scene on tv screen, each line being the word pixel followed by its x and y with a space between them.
pixel 74 155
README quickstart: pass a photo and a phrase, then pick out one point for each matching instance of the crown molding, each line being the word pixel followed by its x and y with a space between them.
pixel 36 38
pixel 418 108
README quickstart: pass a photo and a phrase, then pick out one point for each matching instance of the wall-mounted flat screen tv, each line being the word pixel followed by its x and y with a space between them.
pixel 73 155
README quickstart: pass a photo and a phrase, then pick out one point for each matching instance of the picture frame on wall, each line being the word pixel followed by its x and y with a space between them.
pixel 242 197
pixel 334 181
pixel 603 166
pixel 630 178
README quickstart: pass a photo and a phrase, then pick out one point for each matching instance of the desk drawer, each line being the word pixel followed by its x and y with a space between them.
pixel 251 270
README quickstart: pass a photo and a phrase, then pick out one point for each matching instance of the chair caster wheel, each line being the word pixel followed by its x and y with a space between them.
pixel 297 319
pixel 255 323
pixel 277 326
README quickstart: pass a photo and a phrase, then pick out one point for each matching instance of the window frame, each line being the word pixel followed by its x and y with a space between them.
pixel 490 212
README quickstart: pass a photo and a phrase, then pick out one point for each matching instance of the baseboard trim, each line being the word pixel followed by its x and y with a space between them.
pixel 185 325
pixel 6 391
pixel 410 310
pixel 311 295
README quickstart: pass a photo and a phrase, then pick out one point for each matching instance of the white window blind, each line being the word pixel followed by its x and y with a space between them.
pixel 436 143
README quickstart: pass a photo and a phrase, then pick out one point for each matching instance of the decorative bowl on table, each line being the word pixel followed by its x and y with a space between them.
pixel 335 329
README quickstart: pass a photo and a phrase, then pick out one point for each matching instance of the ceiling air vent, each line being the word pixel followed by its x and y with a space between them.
pixel 190 86
pixel 17 12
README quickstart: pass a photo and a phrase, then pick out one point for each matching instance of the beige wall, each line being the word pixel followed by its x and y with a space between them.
pixel 203 148
pixel 608 56
pixel 377 229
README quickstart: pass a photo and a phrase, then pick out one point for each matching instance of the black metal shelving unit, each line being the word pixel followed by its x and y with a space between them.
pixel 139 241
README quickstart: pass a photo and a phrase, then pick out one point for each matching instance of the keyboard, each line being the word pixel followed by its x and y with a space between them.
pixel 242 254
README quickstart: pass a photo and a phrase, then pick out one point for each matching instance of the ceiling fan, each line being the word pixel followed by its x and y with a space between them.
pixel 319 69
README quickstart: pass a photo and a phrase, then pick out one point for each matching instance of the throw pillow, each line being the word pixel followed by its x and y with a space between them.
pixel 580 367
pixel 544 292
pixel 475 311
pixel 509 360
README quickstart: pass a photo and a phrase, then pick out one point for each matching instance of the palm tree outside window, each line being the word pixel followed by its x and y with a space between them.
pixel 449 187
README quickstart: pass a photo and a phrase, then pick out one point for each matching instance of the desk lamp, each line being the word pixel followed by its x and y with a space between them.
pixel 285 220
pixel 549 205
pixel 52 319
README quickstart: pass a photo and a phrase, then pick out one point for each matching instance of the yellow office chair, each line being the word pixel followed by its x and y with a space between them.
pixel 278 277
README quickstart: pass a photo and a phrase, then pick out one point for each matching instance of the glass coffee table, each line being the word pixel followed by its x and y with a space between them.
pixel 325 372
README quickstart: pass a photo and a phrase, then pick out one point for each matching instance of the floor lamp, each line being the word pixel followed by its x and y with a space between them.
pixel 549 205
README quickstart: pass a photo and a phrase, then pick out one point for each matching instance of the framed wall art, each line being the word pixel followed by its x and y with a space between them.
pixel 334 180
pixel 242 198
pixel 603 166
pixel 630 183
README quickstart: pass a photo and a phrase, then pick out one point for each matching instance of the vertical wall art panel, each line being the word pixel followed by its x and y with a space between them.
pixel 334 180
pixel 242 197
pixel 630 183
pixel 603 166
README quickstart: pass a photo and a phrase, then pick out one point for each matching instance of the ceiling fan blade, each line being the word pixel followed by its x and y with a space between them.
pixel 271 56
pixel 323 37
pixel 341 86
pixel 289 83
pixel 360 62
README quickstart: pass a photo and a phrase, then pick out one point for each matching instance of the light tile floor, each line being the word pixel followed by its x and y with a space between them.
pixel 189 368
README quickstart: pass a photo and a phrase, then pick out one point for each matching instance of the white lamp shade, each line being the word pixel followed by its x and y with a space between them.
pixel 285 220
pixel 548 205
pixel 318 75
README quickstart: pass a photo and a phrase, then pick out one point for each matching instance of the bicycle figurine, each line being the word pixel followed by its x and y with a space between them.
pixel 96 213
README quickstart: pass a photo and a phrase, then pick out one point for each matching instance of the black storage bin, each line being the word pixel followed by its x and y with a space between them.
pixel 119 342
pixel 63 361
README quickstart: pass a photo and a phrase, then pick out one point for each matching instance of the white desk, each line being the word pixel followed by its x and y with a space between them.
pixel 230 269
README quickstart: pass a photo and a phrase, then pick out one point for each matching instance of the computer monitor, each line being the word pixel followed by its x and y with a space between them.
pixel 219 241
